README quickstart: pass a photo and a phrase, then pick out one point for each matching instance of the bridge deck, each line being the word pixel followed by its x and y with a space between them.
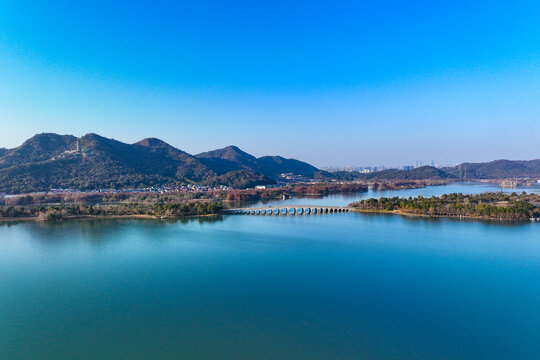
pixel 288 209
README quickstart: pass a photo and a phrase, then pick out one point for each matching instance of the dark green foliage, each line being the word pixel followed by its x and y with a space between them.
pixel 41 147
pixel 187 209
pixel 161 206
pixel 487 205
pixel 240 179
pixel 421 173
pixel 101 163
pixel 232 158
pixel 276 165
pixel 49 161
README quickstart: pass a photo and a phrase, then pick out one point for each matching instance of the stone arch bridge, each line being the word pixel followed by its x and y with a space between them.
pixel 288 210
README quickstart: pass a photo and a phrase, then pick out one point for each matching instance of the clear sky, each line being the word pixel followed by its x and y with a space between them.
pixel 332 83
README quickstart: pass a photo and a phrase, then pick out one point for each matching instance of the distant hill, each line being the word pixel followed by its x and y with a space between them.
pixel 275 165
pixel 91 162
pixel 52 161
pixel 232 154
pixel 231 158
pixel 420 173
pixel 498 169
pixel 48 161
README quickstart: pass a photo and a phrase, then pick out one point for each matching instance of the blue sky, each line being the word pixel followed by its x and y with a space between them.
pixel 332 83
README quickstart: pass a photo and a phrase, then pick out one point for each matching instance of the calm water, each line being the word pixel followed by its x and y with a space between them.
pixel 344 199
pixel 329 286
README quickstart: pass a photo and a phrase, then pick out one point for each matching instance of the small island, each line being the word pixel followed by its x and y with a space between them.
pixel 497 206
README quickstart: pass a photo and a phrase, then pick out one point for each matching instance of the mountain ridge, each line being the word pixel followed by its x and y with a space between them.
pixel 92 161
pixel 496 169
pixel 232 157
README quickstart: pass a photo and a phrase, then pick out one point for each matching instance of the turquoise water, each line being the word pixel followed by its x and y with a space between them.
pixel 344 199
pixel 330 286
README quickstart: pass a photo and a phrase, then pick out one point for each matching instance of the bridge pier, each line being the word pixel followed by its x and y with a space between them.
pixel 293 210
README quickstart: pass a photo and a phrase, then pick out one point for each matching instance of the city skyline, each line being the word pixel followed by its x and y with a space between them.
pixel 330 84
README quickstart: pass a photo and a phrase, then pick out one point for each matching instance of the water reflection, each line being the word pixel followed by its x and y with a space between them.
pixel 97 231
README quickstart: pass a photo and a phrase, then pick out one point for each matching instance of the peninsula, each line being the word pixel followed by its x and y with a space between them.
pixel 497 206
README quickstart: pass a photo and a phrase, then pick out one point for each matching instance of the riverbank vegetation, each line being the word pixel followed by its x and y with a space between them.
pixel 69 207
pixel 57 206
pixel 292 190
pixel 485 206
pixel 406 184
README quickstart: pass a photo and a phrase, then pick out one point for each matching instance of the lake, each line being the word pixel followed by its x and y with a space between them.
pixel 428 191
pixel 328 286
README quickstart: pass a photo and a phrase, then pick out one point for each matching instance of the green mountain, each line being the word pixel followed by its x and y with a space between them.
pixel 231 158
pixel 49 161
pixel 420 173
pixel 498 169
pixel 276 165
pixel 36 149
pixel 53 161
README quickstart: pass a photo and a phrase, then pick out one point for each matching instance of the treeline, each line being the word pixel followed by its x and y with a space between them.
pixel 487 205
pixel 287 191
pixel 92 198
pixel 187 209
pixel 240 179
pixel 400 185
pixel 153 209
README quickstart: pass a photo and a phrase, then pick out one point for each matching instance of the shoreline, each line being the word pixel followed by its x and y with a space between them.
pixel 101 217
pixel 458 217
pixel 153 217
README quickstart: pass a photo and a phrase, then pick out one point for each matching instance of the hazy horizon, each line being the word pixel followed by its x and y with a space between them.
pixel 331 84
